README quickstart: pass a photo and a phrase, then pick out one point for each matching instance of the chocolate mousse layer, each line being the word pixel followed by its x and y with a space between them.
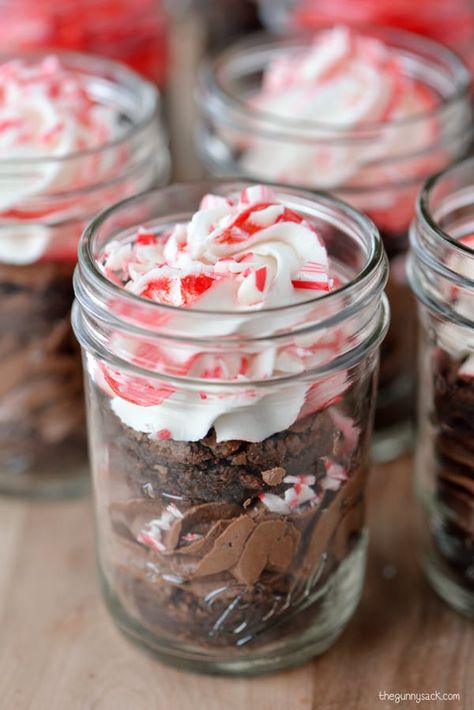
pixel 224 544
pixel 453 418
pixel 41 399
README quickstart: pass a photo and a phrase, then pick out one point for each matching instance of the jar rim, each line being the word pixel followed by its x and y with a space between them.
pixel 265 41
pixel 375 258
pixel 424 212
pixel 100 67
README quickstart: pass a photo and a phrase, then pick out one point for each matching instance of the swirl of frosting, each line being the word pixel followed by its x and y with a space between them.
pixel 46 113
pixel 326 94
pixel 243 254
pixel 248 253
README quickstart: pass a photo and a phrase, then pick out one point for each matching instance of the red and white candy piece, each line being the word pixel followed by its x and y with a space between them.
pixel 256 193
pixel 295 496
pixel 136 389
pixel 312 276
pixel 336 475
pixel 152 532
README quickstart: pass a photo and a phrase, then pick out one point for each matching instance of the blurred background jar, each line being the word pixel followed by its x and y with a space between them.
pixel 50 188
pixel 376 167
pixel 134 32
pixel 441 269
pixel 450 22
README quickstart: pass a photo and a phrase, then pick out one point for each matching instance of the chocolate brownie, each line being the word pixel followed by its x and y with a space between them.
pixel 453 419
pixel 199 547
pixel 41 398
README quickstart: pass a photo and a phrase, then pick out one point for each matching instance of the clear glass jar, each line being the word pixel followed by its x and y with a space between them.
pixel 448 21
pixel 243 549
pixel 231 129
pixel 42 430
pixel 134 32
pixel 441 271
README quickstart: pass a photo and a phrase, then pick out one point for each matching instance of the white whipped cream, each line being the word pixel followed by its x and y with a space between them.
pixel 242 255
pixel 343 81
pixel 46 112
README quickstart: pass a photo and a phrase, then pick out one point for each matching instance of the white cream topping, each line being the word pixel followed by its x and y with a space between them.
pixel 46 112
pixel 242 255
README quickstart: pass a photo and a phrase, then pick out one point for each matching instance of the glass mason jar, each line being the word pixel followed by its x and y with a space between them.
pixel 45 204
pixel 238 547
pixel 134 32
pixel 448 21
pixel 233 131
pixel 441 270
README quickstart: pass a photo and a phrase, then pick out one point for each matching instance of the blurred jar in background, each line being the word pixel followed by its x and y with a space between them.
pixel 132 31
pixel 448 21
pixel 76 133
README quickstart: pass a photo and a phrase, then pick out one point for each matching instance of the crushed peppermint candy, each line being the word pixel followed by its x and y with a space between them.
pixel 297 494
pixel 241 252
pixel 47 110
pixel 335 476
pixel 152 532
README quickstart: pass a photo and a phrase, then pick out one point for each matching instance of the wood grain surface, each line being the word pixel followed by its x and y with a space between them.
pixel 60 651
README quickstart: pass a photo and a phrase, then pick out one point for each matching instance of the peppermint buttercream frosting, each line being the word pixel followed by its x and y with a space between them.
pixel 237 255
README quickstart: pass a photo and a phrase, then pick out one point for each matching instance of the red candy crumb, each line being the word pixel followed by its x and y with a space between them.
pixel 261 278
pixel 163 434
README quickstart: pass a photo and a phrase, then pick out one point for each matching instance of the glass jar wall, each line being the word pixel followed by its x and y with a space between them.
pixel 442 277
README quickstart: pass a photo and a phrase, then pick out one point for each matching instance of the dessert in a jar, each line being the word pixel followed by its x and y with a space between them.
pixel 441 270
pixel 230 340
pixel 134 32
pixel 450 22
pixel 367 116
pixel 76 132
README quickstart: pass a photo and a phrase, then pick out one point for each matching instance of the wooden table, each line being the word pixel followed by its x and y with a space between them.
pixel 60 651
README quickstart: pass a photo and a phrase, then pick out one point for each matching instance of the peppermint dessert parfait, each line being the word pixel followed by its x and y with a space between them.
pixel 442 277
pixel 368 116
pixel 230 339
pixel 75 132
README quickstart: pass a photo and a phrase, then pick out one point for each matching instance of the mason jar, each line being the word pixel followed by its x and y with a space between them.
pixel 230 448
pixel 378 167
pixel 50 190
pixel 441 269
